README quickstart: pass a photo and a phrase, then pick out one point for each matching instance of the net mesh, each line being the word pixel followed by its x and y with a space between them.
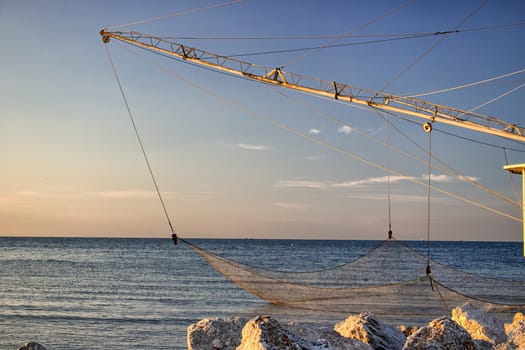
pixel 389 280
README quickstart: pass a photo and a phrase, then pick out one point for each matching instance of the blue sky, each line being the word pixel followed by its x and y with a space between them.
pixel 72 165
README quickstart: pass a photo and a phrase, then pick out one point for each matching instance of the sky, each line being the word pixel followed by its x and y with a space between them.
pixel 238 159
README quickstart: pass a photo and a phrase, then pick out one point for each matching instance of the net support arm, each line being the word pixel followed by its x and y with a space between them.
pixel 276 76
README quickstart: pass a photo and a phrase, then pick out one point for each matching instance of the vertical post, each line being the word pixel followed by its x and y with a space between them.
pixel 520 169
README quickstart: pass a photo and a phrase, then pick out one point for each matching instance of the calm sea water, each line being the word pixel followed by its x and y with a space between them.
pixel 73 293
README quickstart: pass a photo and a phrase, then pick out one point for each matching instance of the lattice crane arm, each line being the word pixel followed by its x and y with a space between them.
pixel 276 76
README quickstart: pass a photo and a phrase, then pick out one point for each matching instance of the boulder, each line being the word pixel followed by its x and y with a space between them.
pixel 326 334
pixel 516 336
pixel 441 334
pixel 215 333
pixel 32 346
pixel 407 331
pixel 479 324
pixel 517 317
pixel 367 328
pixel 266 333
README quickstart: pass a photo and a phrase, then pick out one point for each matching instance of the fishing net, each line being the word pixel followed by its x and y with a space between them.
pixel 389 280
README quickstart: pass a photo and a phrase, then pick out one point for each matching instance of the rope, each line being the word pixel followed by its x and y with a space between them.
pixel 320 47
pixel 476 298
pixel 315 140
pixel 418 123
pixel 420 57
pixel 302 37
pixel 387 140
pixel 137 134
pixel 339 36
pixel 468 85
pixel 373 250
pixel 496 98
pixel 392 37
pixel 428 198
pixel 446 169
pixel 176 14
pixel 435 286
pixel 428 270
pixel 441 265
pixel 476 141
pixel 511 179
pixel 373 20
pixel 389 171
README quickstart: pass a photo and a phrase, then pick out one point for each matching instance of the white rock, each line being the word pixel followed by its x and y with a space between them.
pixel 479 324
pixel 516 336
pixel 265 333
pixel 215 333
pixel 333 339
pixel 441 334
pixel 367 328
pixel 517 317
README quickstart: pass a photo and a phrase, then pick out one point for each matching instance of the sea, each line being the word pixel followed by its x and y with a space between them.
pixel 122 293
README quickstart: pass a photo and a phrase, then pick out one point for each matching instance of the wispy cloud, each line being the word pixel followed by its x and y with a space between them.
pixel 128 194
pixel 448 178
pixel 50 194
pixel 301 184
pixel 314 131
pixel 345 129
pixel 467 178
pixel 251 147
pixel 115 194
pixel 395 197
pixel 144 194
pixel 372 181
pixel 442 178
pixel 290 205
pixel 439 178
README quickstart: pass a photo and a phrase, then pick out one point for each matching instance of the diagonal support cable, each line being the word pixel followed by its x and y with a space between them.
pixel 139 139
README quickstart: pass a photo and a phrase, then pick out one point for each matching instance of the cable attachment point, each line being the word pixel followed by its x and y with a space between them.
pixel 427 127
pixel 105 36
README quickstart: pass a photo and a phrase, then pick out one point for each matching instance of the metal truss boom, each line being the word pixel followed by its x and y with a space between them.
pixel 431 112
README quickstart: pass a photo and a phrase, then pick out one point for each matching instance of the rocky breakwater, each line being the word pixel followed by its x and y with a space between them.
pixel 467 328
